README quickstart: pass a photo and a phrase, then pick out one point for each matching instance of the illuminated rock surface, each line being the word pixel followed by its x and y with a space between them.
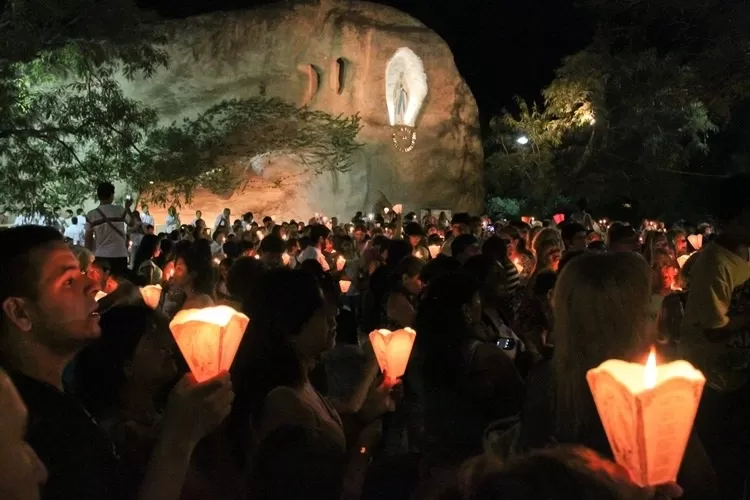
pixel 330 56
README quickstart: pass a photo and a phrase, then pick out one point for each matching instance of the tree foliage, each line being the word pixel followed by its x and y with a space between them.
pixel 65 123
pixel 635 114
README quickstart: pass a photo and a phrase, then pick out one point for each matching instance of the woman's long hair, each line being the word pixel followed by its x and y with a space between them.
pixel 146 250
pixel 601 312
pixel 442 326
pixel 266 358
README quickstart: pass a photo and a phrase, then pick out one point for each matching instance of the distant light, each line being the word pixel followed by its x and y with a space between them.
pixel 150 182
pixel 523 140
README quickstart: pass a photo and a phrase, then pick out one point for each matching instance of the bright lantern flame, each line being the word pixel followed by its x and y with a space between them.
pixel 649 374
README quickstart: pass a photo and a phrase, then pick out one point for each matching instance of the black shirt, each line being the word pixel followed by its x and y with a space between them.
pixel 80 458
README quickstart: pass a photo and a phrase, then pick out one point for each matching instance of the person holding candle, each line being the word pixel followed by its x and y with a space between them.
pixel 48 314
pixel 462 382
pixel 600 307
pixel 715 330
pixel 304 443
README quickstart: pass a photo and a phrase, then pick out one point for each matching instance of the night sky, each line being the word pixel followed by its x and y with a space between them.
pixel 501 48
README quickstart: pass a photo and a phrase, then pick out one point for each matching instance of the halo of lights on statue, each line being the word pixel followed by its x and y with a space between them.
pixel 405 91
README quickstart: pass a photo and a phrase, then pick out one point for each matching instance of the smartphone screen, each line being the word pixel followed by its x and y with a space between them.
pixel 506 344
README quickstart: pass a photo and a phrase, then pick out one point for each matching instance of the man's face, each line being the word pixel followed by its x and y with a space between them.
pixel 63 315
pixel 69 214
pixel 21 472
pixel 680 244
pixel 198 214
pixel 144 209
pixel 227 212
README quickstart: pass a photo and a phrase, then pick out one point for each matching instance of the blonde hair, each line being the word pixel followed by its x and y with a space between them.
pixel 601 312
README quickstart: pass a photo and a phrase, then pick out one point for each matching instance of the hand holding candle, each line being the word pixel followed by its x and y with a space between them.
pixel 151 295
pixel 647 413
pixel 392 350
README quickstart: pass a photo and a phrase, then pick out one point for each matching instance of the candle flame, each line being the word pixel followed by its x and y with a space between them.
pixel 649 374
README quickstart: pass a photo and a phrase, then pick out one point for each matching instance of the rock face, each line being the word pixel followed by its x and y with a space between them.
pixel 332 56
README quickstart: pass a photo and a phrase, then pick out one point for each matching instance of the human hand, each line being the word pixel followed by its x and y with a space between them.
pixel 195 409
pixel 381 399
pixel 665 491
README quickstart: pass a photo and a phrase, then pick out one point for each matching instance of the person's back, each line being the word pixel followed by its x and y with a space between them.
pixel 106 229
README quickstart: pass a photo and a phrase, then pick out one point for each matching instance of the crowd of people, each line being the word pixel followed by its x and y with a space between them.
pixel 98 402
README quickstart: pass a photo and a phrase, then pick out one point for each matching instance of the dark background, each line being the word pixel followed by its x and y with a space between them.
pixel 502 47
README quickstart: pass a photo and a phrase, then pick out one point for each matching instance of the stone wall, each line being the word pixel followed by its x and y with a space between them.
pixel 331 56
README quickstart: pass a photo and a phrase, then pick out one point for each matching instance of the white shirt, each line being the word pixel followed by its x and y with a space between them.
pixel 147 219
pixel 313 253
pixel 219 218
pixel 173 223
pixel 75 233
pixel 109 238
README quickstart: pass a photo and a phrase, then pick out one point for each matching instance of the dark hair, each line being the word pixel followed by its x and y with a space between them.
pixel 146 249
pixel 266 358
pixel 197 258
pixel 462 242
pixel 569 231
pixel 272 244
pixel 413 229
pixel 438 266
pixel 442 327
pixel 74 220
pixel 100 367
pixel 105 190
pixel 544 281
pixel 496 247
pixel 244 282
pixel 620 233
pixel 20 267
pixel 479 266
pixel 318 231
pixel 410 266
pixel 569 473
pixel 397 250
pixel 461 218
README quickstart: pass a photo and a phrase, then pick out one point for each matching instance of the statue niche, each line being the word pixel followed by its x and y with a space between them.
pixel 405 91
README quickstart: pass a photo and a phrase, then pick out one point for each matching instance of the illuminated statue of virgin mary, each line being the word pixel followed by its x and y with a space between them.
pixel 405 90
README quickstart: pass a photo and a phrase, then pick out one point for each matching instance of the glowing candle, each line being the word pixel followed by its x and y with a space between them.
pixel 285 258
pixel 99 295
pixel 647 413
pixel 340 263
pixel 392 350
pixel 398 208
pixel 434 250
pixel 418 254
pixel 519 266
pixel 208 338
pixel 344 285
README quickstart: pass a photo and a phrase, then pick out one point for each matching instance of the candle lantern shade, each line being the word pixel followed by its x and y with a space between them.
pixel 99 295
pixel 392 350
pixel 647 413
pixel 434 250
pixel 208 338
pixel 344 285
pixel 151 295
